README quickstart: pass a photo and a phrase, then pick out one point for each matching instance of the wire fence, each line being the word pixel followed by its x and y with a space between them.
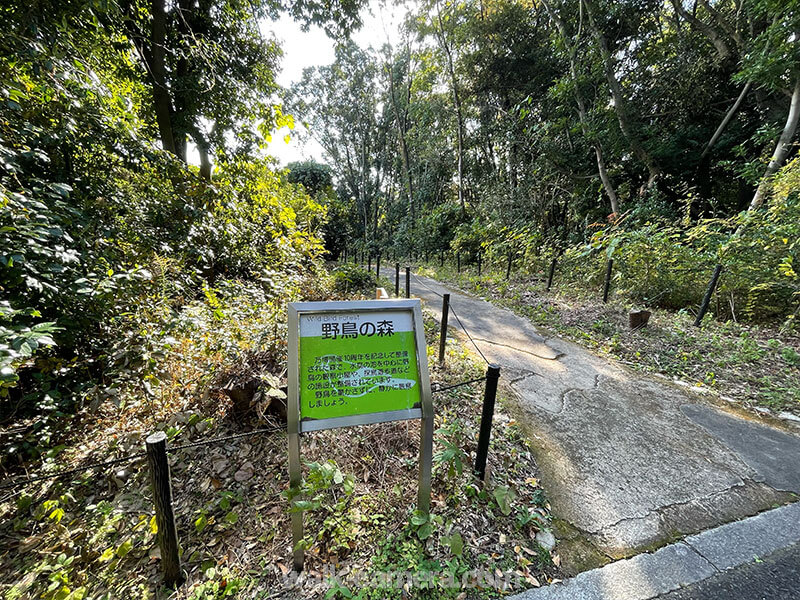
pixel 129 458
pixel 157 450
pixel 455 314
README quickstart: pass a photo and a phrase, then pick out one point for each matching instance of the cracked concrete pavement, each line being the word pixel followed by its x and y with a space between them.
pixel 628 462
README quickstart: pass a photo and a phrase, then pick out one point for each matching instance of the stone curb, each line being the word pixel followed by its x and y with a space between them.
pixel 694 559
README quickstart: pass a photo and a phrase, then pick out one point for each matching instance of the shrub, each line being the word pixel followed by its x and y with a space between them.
pixel 352 279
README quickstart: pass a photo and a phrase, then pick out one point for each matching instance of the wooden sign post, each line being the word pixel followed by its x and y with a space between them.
pixel 356 363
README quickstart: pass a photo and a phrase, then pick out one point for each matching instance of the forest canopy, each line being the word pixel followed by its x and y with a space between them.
pixel 653 132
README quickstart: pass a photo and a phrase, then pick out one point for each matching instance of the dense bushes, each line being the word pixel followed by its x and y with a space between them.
pixel 661 261
pixel 100 232
pixel 351 279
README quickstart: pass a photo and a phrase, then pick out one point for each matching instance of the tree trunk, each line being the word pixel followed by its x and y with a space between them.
pixel 457 105
pixel 401 134
pixel 158 73
pixel 728 116
pixel 782 149
pixel 620 103
pixel 203 149
pixel 601 165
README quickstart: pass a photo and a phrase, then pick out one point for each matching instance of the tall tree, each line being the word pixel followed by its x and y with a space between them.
pixel 572 51
pixel 443 35
pixel 400 70
pixel 210 70
pixel 621 105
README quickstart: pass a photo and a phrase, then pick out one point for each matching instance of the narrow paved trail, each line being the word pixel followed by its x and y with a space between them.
pixel 628 462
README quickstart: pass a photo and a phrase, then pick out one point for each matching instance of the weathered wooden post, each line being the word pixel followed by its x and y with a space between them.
pixel 396 280
pixel 489 396
pixel 408 282
pixel 709 292
pixel 378 267
pixel 443 333
pixel 156 445
pixel 551 273
pixel 508 268
pixel 607 284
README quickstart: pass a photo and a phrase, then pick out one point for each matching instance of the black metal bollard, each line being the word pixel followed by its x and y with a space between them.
pixel 489 397
pixel 709 292
pixel 443 333
pixel 607 284
pixel 396 280
pixel 458 262
pixel 408 282
pixel 165 516
pixel 551 274
pixel 378 267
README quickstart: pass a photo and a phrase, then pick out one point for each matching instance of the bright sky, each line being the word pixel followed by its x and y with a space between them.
pixel 310 48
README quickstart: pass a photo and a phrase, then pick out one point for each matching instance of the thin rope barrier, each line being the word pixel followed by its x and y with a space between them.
pixel 457 385
pixel 135 456
pixel 226 438
pixel 455 314
pixel 60 474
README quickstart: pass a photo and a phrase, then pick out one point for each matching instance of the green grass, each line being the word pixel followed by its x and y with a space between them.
pixel 756 365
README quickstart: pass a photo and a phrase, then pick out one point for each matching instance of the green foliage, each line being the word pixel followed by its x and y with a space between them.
pixel 100 232
pixel 220 583
pixel 504 496
pixel 315 177
pixel 451 458
pixel 660 264
pixel 351 279
pixel 326 493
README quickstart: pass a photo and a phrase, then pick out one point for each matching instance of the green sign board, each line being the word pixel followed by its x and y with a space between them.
pixel 357 363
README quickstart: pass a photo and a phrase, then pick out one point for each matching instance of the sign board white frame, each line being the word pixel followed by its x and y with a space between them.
pixel 296 427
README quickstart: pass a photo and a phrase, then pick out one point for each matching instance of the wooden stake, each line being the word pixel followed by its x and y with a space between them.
pixel 165 516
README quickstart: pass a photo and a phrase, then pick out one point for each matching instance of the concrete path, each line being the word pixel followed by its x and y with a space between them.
pixel 628 462
pixel 755 558
pixel 775 577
